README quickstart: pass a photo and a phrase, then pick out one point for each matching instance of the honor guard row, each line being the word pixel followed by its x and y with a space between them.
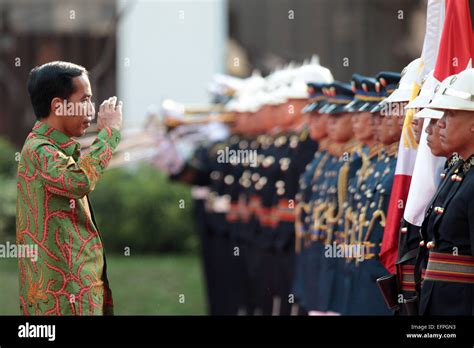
pixel 292 205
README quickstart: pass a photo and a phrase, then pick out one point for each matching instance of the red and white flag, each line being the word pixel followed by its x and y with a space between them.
pixel 407 152
pixel 454 56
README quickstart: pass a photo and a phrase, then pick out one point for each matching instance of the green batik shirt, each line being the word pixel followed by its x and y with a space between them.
pixel 68 274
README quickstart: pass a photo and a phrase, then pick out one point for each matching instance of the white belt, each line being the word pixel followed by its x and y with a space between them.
pixel 200 192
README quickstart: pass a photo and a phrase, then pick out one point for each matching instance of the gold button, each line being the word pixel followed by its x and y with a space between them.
pixel 243 144
pixel 229 179
pixel 268 161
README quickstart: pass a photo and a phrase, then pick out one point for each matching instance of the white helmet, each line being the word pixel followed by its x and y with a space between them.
pixel 427 92
pixel 297 87
pixel 405 87
pixel 456 92
pixel 427 111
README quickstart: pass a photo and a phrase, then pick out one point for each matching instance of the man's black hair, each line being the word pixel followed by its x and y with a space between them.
pixel 51 80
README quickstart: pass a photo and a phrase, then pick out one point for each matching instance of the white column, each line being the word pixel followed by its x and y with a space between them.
pixel 168 49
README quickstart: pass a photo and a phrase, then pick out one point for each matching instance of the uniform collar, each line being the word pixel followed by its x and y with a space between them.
pixel 452 160
pixel 468 164
pixel 351 145
pixel 324 144
pixel 392 149
pixel 65 143
pixel 375 150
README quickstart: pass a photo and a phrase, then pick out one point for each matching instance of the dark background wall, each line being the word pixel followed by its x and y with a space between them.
pixel 367 32
pixel 33 32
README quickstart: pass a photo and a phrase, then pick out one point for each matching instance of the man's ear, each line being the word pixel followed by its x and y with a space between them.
pixel 57 107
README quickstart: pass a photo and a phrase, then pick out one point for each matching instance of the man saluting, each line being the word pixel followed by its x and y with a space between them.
pixel 68 276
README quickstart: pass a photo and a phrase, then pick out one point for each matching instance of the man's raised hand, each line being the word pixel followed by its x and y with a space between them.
pixel 110 114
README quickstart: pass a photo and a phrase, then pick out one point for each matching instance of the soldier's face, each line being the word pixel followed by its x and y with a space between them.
pixel 433 140
pixel 385 130
pixel 456 132
pixel 259 122
pixel 252 125
pixel 396 114
pixel 339 127
pixel 400 121
pixel 292 112
pixel 401 114
pixel 377 122
pixel 318 126
pixel 279 114
pixel 362 126
pixel 417 124
pixel 265 114
pixel 395 128
pixel 242 122
pixel 256 121
pixel 234 126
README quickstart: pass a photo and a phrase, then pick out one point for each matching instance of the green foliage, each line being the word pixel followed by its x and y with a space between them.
pixel 139 208
pixel 8 167
pixel 7 208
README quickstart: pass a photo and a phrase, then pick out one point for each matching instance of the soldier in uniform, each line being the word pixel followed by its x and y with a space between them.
pixel 252 204
pixel 240 253
pixel 212 172
pixel 327 210
pixel 239 141
pixel 200 179
pixel 408 237
pixel 276 153
pixel 360 171
pixel 313 247
pixel 298 153
pixel 392 109
pixel 318 132
pixel 409 233
pixel 197 171
pixel 368 203
pixel 285 150
pixel 446 246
